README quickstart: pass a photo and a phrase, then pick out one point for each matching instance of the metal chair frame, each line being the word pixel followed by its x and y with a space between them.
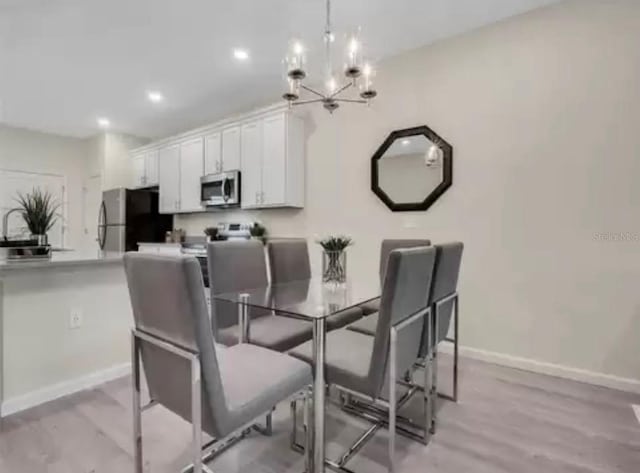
pixel 202 453
pixel 408 427
pixel 389 421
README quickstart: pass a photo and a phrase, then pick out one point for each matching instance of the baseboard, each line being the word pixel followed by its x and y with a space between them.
pixel 35 398
pixel 560 371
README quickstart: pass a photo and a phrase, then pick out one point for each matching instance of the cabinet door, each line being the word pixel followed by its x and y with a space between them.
pixel 251 178
pixel 212 154
pixel 191 168
pixel 231 149
pixel 169 178
pixel 274 170
pixel 138 170
pixel 151 165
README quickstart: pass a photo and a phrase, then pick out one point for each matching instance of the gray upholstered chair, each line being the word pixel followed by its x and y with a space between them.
pixel 289 261
pixel 238 265
pixel 221 391
pixel 361 365
pixel 386 247
pixel 443 300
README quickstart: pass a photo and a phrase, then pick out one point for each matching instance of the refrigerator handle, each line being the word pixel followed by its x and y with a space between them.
pixel 102 225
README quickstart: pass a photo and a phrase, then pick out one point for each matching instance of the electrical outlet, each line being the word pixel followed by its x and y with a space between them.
pixel 75 319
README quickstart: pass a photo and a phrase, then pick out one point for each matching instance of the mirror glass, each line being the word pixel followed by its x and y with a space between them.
pixel 410 169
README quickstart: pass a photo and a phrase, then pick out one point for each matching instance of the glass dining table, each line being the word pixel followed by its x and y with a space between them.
pixel 316 301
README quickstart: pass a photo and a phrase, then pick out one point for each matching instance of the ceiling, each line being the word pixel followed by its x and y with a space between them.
pixel 63 63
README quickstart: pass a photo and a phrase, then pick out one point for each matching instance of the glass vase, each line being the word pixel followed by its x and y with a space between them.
pixel 334 266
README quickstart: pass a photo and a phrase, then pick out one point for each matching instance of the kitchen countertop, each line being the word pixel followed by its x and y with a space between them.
pixel 60 259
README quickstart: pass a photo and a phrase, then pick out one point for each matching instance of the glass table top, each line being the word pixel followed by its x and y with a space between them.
pixel 309 298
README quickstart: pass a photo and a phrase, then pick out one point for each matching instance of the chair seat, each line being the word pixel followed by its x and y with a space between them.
pixel 370 307
pixel 343 318
pixel 276 332
pixel 255 379
pixel 348 356
pixel 366 325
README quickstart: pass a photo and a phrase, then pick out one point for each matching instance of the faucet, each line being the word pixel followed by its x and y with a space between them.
pixel 5 222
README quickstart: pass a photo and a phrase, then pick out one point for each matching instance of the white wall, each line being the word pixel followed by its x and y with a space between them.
pixel 542 111
pixel 32 151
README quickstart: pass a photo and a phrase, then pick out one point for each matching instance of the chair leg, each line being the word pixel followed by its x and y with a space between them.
pixel 308 431
pixel 392 399
pixel 196 415
pixel 137 408
pixel 294 424
pixel 455 347
pixel 434 369
pixel 426 388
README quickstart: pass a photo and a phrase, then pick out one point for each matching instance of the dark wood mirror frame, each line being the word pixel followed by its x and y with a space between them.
pixel 447 169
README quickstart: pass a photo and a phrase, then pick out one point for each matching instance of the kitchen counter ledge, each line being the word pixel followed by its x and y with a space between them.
pixel 61 259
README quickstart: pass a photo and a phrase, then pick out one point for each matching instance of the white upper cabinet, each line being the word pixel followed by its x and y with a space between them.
pixel 273 168
pixel 151 168
pixel 191 169
pixel 267 147
pixel 145 169
pixel 169 177
pixel 231 149
pixel 139 172
pixel 274 161
pixel 251 177
pixel 213 153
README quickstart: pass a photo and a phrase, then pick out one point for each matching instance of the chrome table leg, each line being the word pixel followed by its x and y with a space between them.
pixel 319 348
pixel 243 318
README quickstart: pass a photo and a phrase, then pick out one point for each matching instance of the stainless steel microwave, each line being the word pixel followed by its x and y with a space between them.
pixel 220 190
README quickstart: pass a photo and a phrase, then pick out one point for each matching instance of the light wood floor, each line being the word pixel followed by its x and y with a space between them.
pixel 507 421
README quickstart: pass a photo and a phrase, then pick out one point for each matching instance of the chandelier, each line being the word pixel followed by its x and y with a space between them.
pixel 358 75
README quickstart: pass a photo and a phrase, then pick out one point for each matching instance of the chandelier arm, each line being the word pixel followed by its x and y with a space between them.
pixel 309 89
pixel 304 102
pixel 352 100
pixel 341 89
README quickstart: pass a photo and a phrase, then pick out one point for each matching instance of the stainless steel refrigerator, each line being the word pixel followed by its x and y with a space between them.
pixel 128 217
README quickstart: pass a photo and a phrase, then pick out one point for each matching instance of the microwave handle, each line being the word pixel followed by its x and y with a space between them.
pixel 226 190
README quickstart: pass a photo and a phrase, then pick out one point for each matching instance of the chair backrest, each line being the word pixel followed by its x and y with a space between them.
pixel 288 260
pixel 445 282
pixel 389 245
pixel 168 302
pixel 233 266
pixel 405 291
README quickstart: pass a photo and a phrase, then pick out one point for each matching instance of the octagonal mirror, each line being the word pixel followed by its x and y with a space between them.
pixel 412 169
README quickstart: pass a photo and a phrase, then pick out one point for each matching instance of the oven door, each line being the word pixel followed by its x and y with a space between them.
pixel 221 190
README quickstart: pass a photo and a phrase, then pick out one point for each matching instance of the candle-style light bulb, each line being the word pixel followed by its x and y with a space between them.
pixel 295 61
pixel 353 66
pixel 367 90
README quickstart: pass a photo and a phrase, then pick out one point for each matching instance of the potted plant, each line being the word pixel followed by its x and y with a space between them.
pixel 334 258
pixel 258 231
pixel 39 213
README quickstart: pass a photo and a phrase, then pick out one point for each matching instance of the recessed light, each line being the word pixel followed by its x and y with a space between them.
pixel 103 122
pixel 405 142
pixel 155 96
pixel 241 54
